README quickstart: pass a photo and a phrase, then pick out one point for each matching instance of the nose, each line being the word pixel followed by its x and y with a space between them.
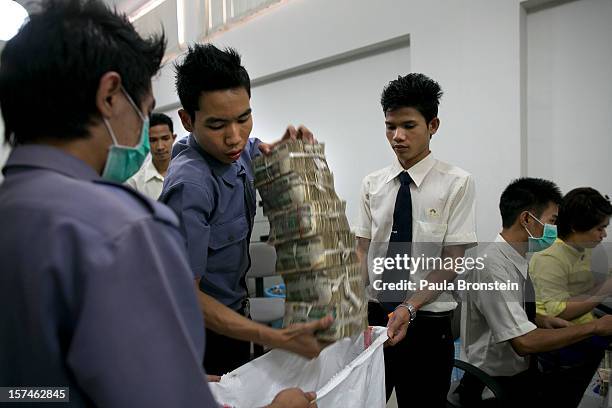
pixel 232 134
pixel 604 233
pixel 398 135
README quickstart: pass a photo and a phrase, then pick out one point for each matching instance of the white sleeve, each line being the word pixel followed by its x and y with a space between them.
pixel 462 216
pixel 363 228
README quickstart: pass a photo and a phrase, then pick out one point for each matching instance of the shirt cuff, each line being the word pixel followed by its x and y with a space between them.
pixel 465 238
pixel 554 308
pixel 518 331
pixel 363 233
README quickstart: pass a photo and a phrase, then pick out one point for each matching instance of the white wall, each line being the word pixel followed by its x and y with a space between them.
pixel 569 94
pixel 470 47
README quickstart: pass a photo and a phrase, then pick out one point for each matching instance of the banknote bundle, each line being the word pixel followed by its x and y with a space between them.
pixel 315 250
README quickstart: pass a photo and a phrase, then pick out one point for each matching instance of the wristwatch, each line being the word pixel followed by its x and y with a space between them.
pixel 411 310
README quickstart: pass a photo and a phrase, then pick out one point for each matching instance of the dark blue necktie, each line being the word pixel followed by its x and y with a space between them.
pixel 402 214
pixel 400 242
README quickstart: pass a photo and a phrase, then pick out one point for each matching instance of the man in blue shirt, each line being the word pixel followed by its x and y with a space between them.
pixel 210 187
pixel 95 290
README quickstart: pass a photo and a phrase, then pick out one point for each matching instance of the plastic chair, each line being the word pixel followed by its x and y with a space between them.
pixel 497 391
pixel 263 309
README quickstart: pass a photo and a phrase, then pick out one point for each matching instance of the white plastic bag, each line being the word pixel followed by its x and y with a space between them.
pixel 346 374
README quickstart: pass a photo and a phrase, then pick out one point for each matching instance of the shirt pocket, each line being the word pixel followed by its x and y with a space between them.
pixel 226 245
pixel 428 237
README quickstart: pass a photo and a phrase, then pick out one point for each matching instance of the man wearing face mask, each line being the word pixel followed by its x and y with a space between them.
pixel 500 329
pixel 566 287
pixel 95 290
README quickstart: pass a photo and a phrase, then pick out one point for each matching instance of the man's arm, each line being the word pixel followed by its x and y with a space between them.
pixel 138 334
pixel 549 277
pixel 298 338
pixel 581 304
pixel 398 324
pixel 542 340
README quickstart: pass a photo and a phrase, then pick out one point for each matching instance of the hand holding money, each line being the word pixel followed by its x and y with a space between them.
pixel 291 133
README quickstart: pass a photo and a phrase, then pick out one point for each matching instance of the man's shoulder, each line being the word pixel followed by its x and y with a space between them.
pixel 451 170
pixel 377 177
pixel 101 206
pixel 188 167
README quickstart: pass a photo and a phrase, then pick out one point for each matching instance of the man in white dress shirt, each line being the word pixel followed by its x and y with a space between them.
pixel 423 207
pixel 149 180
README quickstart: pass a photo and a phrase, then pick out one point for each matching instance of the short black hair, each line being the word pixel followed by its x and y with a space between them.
pixel 206 68
pixel 527 194
pixel 161 119
pixel 50 71
pixel 582 209
pixel 414 90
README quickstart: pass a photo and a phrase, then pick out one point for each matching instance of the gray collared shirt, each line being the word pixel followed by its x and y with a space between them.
pixel 95 290
pixel 216 215
pixel 491 318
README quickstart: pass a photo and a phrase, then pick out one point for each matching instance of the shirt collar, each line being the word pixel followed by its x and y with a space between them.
pixel 49 158
pixel 150 171
pixel 228 172
pixel 575 253
pixel 512 255
pixel 417 172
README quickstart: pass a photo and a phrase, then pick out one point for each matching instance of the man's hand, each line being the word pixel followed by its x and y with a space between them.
pixel 603 326
pixel 300 339
pixel 397 326
pixel 551 322
pixel 294 398
pixel 291 133
pixel 213 378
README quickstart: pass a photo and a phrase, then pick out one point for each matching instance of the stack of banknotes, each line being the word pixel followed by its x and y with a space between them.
pixel 314 246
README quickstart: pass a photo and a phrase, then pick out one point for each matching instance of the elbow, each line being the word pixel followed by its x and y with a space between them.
pixel 522 346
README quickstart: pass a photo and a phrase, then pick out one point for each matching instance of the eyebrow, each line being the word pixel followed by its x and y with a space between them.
pixel 403 122
pixel 242 115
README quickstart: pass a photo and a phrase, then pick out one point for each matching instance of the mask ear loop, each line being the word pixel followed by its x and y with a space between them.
pixel 109 129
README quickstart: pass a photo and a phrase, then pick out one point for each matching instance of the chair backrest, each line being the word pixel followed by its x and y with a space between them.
pixel 263 260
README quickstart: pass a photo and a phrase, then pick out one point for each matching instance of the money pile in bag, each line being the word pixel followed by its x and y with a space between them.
pixel 315 249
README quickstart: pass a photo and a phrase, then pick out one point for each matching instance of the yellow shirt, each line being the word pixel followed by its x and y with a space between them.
pixel 558 273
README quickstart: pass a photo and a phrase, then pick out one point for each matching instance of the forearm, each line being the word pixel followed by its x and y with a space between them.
pixel 223 320
pixel 543 340
pixel 575 308
pixel 425 296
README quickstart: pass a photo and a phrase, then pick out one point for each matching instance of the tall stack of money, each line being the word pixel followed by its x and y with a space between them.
pixel 315 249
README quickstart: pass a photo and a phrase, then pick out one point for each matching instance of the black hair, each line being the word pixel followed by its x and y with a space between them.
pixel 161 119
pixel 413 91
pixel 50 71
pixel 527 194
pixel 206 68
pixel 582 209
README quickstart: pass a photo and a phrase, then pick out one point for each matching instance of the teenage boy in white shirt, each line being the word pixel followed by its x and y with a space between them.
pixel 418 205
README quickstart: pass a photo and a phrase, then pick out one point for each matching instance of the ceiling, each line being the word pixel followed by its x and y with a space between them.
pixel 125 6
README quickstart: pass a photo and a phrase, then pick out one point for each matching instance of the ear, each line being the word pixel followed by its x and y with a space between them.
pixel 434 125
pixel 186 120
pixel 108 92
pixel 524 218
pixel 173 137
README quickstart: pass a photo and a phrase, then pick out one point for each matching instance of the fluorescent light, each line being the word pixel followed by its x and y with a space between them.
pixel 180 21
pixel 141 11
pixel 12 17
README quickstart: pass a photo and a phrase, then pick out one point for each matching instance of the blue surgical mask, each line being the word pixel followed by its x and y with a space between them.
pixel 123 162
pixel 548 236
